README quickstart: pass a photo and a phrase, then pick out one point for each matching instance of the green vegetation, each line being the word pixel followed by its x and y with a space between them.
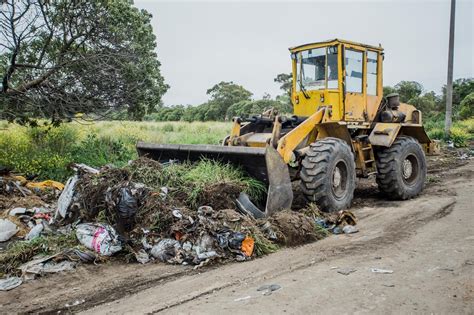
pixel 226 100
pixel 87 57
pixel 191 180
pixel 47 151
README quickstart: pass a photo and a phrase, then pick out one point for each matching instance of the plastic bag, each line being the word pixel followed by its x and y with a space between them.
pixel 7 229
pixel 35 232
pixel 165 250
pixel 127 207
pixel 101 238
pixel 10 283
pixel 65 198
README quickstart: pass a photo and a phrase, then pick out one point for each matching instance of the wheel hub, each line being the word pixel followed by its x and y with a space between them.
pixel 407 169
pixel 336 178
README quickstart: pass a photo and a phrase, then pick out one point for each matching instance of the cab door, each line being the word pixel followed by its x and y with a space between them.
pixel 354 85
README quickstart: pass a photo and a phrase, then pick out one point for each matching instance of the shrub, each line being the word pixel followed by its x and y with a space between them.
pixel 168 128
pixel 459 137
pixel 436 133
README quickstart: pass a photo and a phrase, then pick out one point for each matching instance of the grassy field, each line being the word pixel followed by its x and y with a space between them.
pixel 47 152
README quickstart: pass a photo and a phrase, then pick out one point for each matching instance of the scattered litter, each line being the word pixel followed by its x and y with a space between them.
pixel 47 184
pixel 10 283
pixel 165 250
pixel 346 271
pixel 269 288
pixel 35 232
pixel 143 212
pixel 349 229
pixel 384 271
pixel 343 221
pixel 142 256
pixel 101 238
pixel 75 303
pixel 45 265
pixel 16 211
pixel 65 198
pixel 84 256
pixel 243 298
pixel 7 229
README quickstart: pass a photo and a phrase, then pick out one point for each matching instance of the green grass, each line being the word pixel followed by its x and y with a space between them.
pixel 192 179
pixel 47 152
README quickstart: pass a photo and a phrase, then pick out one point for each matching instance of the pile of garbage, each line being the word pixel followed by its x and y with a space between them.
pixel 138 213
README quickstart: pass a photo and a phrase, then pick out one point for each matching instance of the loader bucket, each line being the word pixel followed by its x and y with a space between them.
pixel 264 164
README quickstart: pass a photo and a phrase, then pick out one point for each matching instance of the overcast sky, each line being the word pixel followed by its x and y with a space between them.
pixel 203 43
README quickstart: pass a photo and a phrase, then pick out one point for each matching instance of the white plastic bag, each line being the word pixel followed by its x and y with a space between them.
pixel 35 232
pixel 66 196
pixel 101 238
pixel 165 250
pixel 7 229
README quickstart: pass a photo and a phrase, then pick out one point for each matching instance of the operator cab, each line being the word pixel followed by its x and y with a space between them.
pixel 341 75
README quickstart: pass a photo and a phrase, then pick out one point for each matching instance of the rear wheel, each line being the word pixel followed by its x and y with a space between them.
pixel 328 174
pixel 401 169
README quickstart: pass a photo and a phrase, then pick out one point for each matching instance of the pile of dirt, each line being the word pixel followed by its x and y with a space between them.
pixel 294 228
pixel 220 195
pixel 146 212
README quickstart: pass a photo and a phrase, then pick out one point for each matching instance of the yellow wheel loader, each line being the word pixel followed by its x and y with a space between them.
pixel 342 127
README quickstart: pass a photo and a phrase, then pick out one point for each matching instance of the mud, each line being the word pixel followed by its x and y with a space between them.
pixel 294 228
pixel 220 195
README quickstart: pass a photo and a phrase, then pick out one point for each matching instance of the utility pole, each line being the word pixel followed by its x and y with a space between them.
pixel 449 86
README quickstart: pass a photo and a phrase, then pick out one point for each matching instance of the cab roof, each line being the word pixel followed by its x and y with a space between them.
pixel 333 42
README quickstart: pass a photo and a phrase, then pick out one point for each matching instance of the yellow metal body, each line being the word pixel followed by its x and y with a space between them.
pixel 333 111
pixel 291 140
pixel 350 106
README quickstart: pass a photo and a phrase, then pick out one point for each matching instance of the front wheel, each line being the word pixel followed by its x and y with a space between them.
pixel 328 174
pixel 401 169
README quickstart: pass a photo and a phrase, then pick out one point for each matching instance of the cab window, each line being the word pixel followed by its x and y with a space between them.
pixel 371 73
pixel 313 65
pixel 353 67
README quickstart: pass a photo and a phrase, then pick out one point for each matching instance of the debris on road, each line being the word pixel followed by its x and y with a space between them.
pixel 349 229
pixel 269 288
pixel 143 212
pixel 10 283
pixel 343 221
pixel 383 271
pixel 346 271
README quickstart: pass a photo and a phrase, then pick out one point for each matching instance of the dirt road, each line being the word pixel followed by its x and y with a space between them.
pixel 427 242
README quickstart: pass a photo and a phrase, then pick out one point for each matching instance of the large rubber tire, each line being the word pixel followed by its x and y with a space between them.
pixel 401 169
pixel 328 174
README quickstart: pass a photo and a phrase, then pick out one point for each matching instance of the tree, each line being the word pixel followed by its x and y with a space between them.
pixel 388 90
pixel 222 96
pixel 461 88
pixel 428 103
pixel 61 57
pixel 466 108
pixel 408 90
pixel 286 82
